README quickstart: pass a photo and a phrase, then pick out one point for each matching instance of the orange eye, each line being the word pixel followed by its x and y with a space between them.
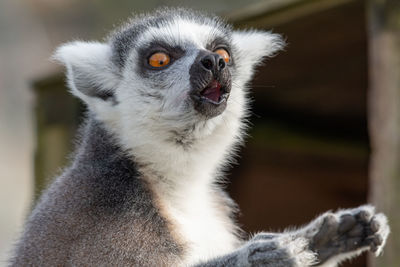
pixel 224 54
pixel 159 59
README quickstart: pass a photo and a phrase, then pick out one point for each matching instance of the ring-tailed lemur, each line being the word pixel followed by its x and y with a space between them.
pixel 167 106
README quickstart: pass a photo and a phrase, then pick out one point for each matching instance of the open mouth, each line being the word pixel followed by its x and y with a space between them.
pixel 214 93
pixel 211 100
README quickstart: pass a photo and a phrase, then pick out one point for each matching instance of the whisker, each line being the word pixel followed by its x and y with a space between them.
pixel 256 85
pixel 264 86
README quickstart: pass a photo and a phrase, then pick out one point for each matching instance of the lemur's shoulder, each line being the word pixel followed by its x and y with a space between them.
pixel 101 202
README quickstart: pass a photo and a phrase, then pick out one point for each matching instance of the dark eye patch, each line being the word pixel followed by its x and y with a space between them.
pixel 218 42
pixel 175 52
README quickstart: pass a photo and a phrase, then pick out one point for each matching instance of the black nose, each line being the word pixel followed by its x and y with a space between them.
pixel 213 62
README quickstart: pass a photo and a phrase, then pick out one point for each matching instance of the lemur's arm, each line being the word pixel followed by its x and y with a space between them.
pixel 278 252
pixel 326 241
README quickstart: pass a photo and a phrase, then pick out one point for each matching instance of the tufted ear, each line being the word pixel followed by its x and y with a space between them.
pixel 252 47
pixel 90 72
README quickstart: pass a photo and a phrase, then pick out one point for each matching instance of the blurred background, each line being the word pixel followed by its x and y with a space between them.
pixel 326 112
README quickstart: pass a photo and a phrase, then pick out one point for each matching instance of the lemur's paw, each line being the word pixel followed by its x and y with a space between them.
pixel 364 224
pixel 346 231
pixel 284 250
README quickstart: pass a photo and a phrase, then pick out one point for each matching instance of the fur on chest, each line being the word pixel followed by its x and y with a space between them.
pixel 199 217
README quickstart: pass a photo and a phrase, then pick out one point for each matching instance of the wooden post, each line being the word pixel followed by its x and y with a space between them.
pixel 384 119
pixel 57 116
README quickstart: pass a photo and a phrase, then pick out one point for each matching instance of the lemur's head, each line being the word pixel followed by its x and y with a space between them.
pixel 174 75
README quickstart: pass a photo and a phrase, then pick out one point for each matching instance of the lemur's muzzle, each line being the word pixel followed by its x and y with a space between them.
pixel 211 84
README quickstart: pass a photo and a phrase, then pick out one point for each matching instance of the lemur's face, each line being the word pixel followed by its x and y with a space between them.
pixel 181 66
pixel 194 74
pixel 175 73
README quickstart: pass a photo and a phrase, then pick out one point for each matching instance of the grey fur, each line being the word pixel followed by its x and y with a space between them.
pixel 88 88
pixel 255 253
pixel 100 212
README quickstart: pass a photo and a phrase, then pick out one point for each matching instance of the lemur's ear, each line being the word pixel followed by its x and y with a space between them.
pixel 90 72
pixel 252 47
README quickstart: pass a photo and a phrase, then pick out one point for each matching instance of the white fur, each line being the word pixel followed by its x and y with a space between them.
pixel 179 31
pixel 384 231
pixel 90 61
pixel 298 250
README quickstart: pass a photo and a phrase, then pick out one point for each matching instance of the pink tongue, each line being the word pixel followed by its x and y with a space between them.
pixel 213 93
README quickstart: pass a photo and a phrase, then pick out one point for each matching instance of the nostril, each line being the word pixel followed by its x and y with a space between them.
pixel 221 63
pixel 207 62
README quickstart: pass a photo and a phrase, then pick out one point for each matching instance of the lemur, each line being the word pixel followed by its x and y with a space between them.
pixel 167 108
